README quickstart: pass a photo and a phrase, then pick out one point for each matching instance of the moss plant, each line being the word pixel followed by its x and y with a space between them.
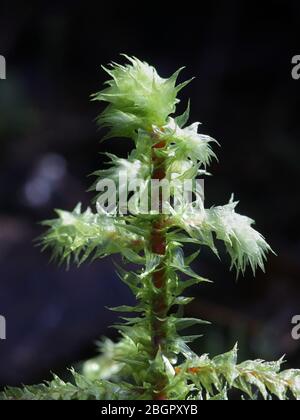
pixel 153 360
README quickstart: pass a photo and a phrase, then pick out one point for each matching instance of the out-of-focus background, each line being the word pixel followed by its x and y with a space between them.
pixel 245 96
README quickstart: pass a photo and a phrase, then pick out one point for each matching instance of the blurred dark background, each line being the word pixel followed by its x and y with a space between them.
pixel 240 53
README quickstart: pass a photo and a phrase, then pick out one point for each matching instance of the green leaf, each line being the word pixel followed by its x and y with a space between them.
pixel 191 258
pixel 185 284
pixel 132 280
pixel 181 300
pixel 182 119
pixel 226 364
pixel 178 263
pixel 183 323
pixel 292 380
pixel 125 308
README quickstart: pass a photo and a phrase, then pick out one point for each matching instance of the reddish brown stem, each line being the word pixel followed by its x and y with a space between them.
pixel 159 303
